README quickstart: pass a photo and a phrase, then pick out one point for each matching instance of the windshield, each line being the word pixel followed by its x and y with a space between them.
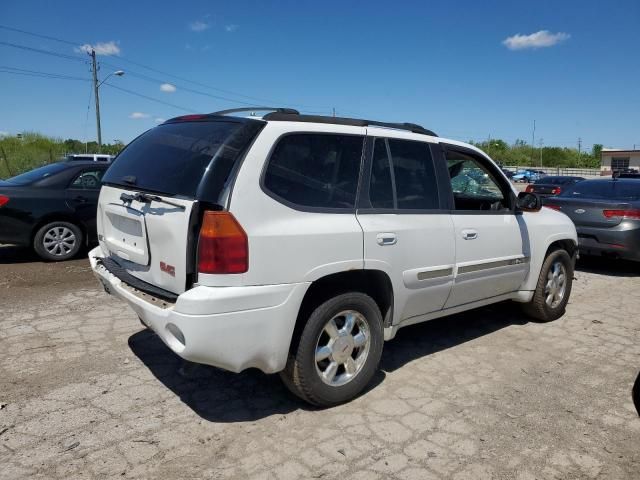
pixel 37 174
pixel 608 190
pixel 174 158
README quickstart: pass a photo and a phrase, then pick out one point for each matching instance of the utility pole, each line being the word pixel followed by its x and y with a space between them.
pixel 579 152
pixel 533 141
pixel 540 142
pixel 334 112
pixel 95 92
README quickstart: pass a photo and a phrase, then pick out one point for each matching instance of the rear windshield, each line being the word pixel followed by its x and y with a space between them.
pixel 37 174
pixel 556 180
pixel 174 158
pixel 603 189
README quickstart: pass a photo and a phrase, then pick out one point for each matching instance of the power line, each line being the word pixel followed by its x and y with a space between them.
pixel 190 110
pixel 37 73
pixel 34 73
pixel 229 92
pixel 46 52
pixel 38 35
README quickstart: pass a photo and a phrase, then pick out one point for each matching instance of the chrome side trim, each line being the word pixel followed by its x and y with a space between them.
pixel 485 266
pixel 428 275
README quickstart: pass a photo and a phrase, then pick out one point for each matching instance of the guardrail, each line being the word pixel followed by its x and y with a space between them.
pixel 577 172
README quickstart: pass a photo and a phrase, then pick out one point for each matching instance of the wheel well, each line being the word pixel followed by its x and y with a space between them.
pixel 568 245
pixel 58 217
pixel 374 283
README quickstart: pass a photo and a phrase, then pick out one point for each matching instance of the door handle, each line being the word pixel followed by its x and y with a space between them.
pixel 80 199
pixel 387 238
pixel 469 234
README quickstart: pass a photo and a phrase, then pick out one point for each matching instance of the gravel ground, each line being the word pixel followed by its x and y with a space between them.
pixel 85 392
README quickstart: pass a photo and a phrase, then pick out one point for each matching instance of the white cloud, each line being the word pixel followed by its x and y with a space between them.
pixel 167 87
pixel 101 48
pixel 231 27
pixel 160 120
pixel 541 39
pixel 138 115
pixel 198 26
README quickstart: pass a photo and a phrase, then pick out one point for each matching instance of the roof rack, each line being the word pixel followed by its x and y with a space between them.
pixel 257 109
pixel 283 116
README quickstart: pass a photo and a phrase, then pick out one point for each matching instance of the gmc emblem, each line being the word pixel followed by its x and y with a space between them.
pixel 170 269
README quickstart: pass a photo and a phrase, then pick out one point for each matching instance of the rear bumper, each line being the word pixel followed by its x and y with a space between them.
pixel 14 232
pixel 622 241
pixel 233 328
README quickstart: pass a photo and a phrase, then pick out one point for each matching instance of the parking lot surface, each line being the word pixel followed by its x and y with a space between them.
pixel 86 392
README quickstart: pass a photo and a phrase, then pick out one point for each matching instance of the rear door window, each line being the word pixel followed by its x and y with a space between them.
pixel 89 179
pixel 402 176
pixel 315 171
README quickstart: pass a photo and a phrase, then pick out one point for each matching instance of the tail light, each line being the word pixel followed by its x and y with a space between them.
pixel 3 200
pixel 556 191
pixel 223 246
pixel 553 207
pixel 529 189
pixel 632 214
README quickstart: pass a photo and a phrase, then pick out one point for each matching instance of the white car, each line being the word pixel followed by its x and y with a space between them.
pixel 299 244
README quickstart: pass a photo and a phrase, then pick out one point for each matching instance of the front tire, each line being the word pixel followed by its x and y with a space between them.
pixel 338 352
pixel 553 289
pixel 58 241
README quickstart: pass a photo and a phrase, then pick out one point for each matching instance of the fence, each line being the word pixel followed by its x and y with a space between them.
pixel 576 172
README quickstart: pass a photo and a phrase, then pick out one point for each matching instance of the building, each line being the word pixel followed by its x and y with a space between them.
pixel 612 160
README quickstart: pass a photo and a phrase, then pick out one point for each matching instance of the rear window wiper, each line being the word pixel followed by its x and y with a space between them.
pixel 146 198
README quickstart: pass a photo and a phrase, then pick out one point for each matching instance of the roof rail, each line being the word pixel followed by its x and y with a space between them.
pixel 278 115
pixel 256 109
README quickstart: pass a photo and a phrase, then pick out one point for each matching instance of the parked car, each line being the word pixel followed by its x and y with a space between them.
pixel 551 185
pixel 606 214
pixel 299 244
pixel 634 174
pixel 527 176
pixel 508 173
pixel 94 157
pixel 52 208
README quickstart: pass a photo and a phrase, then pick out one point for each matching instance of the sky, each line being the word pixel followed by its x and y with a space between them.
pixel 467 70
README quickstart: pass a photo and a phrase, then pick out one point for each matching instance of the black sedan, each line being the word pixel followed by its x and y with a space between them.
pixel 606 214
pixel 552 185
pixel 52 208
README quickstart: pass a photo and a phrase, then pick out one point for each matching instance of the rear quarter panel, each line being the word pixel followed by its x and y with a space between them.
pixel 288 245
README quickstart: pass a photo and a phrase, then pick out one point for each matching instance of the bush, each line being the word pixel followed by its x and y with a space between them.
pixel 31 150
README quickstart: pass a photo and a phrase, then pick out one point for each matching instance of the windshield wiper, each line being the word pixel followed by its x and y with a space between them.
pixel 146 198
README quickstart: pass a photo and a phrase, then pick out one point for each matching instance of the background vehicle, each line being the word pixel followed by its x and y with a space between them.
pixel 507 173
pixel 93 157
pixel 52 208
pixel 552 185
pixel 632 174
pixel 606 214
pixel 527 176
pixel 298 244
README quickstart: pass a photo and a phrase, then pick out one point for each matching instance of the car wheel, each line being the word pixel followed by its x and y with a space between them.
pixel 553 288
pixel 57 241
pixel 338 352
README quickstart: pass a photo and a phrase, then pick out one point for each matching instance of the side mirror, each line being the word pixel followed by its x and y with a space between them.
pixel 528 202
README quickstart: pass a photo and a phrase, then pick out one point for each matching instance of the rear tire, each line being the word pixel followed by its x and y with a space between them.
pixel 58 241
pixel 338 352
pixel 553 289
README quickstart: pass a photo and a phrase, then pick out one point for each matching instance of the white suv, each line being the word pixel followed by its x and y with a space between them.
pixel 299 244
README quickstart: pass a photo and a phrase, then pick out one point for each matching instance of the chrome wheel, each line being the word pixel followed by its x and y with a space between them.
pixel 556 286
pixel 59 241
pixel 342 348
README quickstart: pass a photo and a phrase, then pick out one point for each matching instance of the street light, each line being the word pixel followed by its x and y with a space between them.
pixel 117 73
pixel 96 85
